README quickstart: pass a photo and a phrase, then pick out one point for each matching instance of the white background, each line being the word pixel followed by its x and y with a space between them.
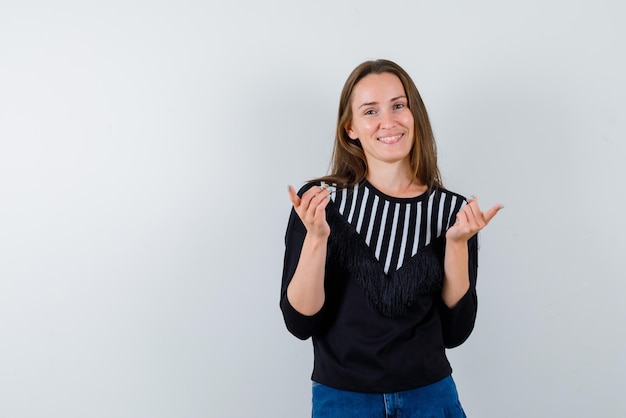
pixel 145 152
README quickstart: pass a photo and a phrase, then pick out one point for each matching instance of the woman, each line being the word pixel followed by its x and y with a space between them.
pixel 380 267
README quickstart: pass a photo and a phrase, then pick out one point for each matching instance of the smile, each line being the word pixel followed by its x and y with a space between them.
pixel 390 139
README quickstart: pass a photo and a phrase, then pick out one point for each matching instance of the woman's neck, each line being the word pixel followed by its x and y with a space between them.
pixel 396 181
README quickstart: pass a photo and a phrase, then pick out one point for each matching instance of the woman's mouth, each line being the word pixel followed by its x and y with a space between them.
pixel 390 139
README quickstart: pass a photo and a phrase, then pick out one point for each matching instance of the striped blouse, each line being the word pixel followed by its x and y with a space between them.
pixel 396 228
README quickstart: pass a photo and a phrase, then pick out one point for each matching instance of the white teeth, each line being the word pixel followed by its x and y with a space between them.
pixel 389 139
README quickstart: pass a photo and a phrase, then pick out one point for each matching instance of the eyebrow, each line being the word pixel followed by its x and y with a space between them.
pixel 374 103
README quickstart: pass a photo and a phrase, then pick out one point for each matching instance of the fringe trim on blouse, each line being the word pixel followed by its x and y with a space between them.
pixel 389 294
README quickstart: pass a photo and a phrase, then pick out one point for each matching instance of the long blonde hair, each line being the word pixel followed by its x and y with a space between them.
pixel 348 164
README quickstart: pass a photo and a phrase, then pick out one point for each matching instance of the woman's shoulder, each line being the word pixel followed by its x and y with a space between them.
pixel 443 191
pixel 319 182
pixel 306 186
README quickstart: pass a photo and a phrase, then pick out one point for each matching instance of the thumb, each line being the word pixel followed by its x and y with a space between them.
pixel 293 196
pixel 492 212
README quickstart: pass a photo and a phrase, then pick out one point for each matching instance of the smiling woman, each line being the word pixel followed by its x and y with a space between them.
pixel 382 121
pixel 380 269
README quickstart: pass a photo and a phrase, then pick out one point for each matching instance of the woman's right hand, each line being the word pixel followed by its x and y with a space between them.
pixel 311 209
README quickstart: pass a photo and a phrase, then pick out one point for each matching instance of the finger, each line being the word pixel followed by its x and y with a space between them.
pixel 461 218
pixel 310 195
pixel 472 204
pixel 293 196
pixel 470 211
pixel 472 219
pixel 309 203
pixel 320 209
pixel 481 218
pixel 321 197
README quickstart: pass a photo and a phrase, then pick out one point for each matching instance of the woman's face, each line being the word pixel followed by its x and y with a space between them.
pixel 381 119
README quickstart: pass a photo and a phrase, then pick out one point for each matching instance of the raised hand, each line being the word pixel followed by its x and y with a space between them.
pixel 311 209
pixel 470 220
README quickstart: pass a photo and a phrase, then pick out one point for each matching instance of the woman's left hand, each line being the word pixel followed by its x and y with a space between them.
pixel 470 220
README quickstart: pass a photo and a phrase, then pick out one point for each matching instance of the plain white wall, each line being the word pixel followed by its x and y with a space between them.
pixel 145 150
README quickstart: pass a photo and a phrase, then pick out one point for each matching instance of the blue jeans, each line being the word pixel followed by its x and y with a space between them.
pixel 439 400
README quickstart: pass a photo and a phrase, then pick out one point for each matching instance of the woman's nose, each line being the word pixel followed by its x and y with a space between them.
pixel 387 120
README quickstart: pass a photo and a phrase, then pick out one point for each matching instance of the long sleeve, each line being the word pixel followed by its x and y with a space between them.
pixel 458 322
pixel 299 325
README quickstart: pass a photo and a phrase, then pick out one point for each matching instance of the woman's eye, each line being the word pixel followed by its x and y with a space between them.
pixel 399 106
pixel 370 112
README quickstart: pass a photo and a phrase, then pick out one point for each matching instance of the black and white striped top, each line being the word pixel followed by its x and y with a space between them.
pixel 396 228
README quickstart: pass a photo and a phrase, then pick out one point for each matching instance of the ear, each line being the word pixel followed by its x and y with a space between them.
pixel 351 133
